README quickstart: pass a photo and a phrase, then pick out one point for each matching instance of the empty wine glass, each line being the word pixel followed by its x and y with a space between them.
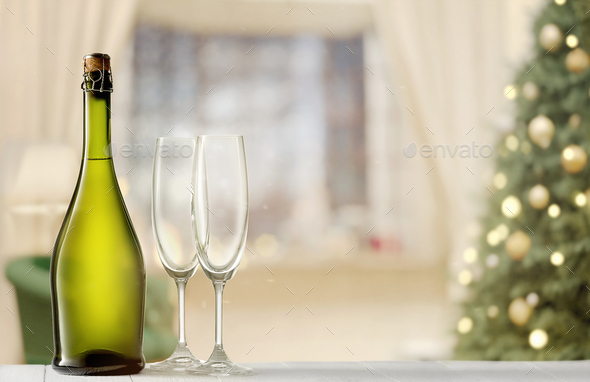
pixel 172 195
pixel 220 223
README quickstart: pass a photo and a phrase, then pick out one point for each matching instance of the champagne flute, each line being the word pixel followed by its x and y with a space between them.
pixel 220 223
pixel 172 195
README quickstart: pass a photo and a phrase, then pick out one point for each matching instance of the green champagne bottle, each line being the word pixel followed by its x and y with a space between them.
pixel 97 269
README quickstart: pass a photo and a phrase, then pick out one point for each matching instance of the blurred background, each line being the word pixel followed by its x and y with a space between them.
pixel 357 242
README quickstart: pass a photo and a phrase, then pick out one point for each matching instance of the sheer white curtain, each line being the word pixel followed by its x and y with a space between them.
pixel 448 63
pixel 42 44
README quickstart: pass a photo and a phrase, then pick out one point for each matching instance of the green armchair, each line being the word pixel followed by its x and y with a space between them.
pixel 30 277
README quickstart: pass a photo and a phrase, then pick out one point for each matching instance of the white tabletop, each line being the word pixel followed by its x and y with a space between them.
pixel 455 371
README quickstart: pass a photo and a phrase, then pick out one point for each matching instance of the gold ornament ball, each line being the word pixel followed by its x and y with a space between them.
pixel 550 37
pixel 539 197
pixel 519 311
pixel 577 61
pixel 574 121
pixel 518 245
pixel 538 339
pixel 541 130
pixel 530 91
pixel 573 159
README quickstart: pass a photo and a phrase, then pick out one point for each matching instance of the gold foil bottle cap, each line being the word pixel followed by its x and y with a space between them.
pixel 100 61
pixel 97 73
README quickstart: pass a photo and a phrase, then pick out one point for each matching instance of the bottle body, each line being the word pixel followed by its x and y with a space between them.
pixel 97 269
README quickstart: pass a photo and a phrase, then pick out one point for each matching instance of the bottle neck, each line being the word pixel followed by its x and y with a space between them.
pixel 97 125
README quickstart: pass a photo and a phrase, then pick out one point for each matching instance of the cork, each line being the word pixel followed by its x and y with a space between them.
pixel 95 60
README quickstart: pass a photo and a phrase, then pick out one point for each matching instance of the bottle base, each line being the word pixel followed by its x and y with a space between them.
pixel 98 363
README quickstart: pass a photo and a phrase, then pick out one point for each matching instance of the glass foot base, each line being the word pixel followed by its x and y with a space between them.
pixel 220 368
pixel 219 364
pixel 180 360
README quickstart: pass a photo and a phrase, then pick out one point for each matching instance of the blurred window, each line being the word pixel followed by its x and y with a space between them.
pixel 298 101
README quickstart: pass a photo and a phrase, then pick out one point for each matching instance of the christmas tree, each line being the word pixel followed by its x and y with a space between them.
pixel 530 296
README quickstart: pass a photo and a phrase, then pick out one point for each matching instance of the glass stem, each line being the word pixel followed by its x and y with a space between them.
pixel 181 284
pixel 218 285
